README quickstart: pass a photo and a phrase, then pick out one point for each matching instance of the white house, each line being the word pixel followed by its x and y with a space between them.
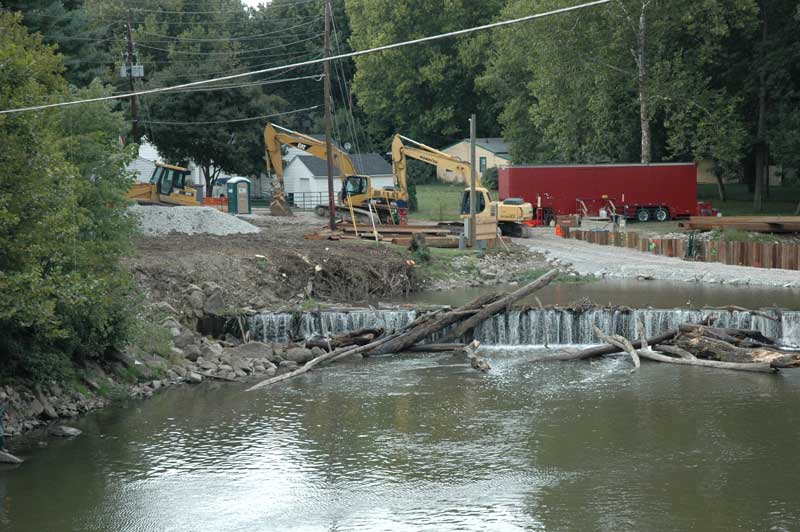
pixel 306 176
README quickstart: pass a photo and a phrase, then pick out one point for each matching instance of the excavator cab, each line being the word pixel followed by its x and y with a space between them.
pixel 482 199
pixel 355 186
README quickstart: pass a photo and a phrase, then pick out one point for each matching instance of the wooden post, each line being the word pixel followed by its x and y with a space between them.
pixel 327 89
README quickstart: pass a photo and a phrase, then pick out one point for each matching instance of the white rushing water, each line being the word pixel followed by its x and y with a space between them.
pixel 531 327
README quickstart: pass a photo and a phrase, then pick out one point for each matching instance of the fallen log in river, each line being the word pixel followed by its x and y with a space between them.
pixel 695 345
pixel 463 320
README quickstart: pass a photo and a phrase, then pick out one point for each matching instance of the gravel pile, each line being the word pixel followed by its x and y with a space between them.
pixel 155 220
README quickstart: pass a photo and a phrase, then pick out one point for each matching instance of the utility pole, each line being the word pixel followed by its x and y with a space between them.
pixel 472 178
pixel 327 88
pixel 129 63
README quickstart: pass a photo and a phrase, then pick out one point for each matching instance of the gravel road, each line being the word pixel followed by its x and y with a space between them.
pixel 614 262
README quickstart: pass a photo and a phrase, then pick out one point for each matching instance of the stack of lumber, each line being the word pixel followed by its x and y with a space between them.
pixel 759 224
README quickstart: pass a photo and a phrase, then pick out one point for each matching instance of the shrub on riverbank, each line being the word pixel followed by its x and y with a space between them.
pixel 63 226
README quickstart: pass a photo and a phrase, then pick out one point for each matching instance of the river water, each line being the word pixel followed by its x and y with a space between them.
pixel 659 294
pixel 426 443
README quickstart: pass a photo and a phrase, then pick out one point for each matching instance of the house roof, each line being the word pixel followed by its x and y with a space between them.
pixel 366 163
pixel 496 145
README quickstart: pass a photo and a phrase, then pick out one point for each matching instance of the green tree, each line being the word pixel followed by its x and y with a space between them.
pixel 426 92
pixel 204 124
pixel 85 41
pixel 62 216
pixel 622 82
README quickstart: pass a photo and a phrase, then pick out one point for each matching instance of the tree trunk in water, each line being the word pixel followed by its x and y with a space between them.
pixel 641 62
pixel 488 311
pixel 761 134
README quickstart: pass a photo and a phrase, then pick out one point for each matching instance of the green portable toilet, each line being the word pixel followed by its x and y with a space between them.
pixel 238 193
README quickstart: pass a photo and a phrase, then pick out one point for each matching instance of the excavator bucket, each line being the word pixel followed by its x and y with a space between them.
pixel 279 206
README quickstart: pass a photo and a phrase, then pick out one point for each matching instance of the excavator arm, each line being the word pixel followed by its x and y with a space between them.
pixel 275 137
pixel 507 215
pixel 421 152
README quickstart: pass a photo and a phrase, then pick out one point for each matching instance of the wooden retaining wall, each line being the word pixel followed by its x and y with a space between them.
pixel 755 254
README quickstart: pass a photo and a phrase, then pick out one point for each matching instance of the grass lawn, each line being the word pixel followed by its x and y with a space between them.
pixel 438 202
pixel 781 201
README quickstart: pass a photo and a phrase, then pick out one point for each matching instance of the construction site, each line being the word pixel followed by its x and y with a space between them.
pixel 316 265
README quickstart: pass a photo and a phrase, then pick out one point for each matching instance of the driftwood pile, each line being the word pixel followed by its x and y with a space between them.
pixel 694 345
pixel 459 322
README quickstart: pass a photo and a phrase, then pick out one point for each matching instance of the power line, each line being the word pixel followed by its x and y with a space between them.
pixel 171 39
pixel 316 77
pixel 219 11
pixel 316 61
pixel 231 121
pixel 238 52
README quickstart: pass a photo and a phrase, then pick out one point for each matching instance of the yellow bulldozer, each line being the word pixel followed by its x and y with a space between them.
pixel 167 186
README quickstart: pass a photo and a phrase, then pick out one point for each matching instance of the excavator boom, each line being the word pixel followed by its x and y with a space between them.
pixel 356 188
pixel 507 215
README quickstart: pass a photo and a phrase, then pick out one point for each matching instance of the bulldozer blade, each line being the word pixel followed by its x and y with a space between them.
pixel 280 207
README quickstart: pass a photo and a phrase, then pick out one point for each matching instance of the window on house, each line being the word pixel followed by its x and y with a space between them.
pixel 482 164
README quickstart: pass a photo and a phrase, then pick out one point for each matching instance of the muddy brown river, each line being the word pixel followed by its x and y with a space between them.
pixel 425 443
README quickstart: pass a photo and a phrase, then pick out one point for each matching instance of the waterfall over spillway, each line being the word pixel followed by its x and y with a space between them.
pixel 529 327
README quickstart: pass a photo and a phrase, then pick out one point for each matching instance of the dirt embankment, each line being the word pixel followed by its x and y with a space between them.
pixel 273 267
pixel 277 267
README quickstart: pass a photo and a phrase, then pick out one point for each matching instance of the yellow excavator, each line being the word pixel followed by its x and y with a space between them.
pixel 167 186
pixel 509 214
pixel 356 188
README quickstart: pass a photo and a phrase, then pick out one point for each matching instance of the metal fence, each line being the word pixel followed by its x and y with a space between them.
pixel 301 201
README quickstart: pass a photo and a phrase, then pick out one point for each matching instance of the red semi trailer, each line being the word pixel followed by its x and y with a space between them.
pixel 635 191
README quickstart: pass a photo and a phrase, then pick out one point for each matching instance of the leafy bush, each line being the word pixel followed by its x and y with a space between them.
pixel 63 223
pixel 490 178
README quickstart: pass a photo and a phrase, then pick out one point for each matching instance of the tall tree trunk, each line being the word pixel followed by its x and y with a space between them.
pixel 644 112
pixel 720 187
pixel 762 161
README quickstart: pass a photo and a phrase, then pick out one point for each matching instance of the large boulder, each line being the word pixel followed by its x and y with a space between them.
pixel 240 364
pixel 215 304
pixel 196 301
pixel 194 378
pixel 253 350
pixel 301 355
pixel 210 350
pixel 184 339
pixel 191 352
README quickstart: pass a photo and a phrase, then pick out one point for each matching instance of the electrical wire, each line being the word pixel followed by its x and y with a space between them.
pixel 356 53
pixel 234 120
pixel 172 39
pixel 316 77
pixel 147 46
pixel 219 11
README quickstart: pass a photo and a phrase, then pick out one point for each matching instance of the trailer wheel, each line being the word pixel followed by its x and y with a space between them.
pixel 321 211
pixel 643 215
pixel 662 214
